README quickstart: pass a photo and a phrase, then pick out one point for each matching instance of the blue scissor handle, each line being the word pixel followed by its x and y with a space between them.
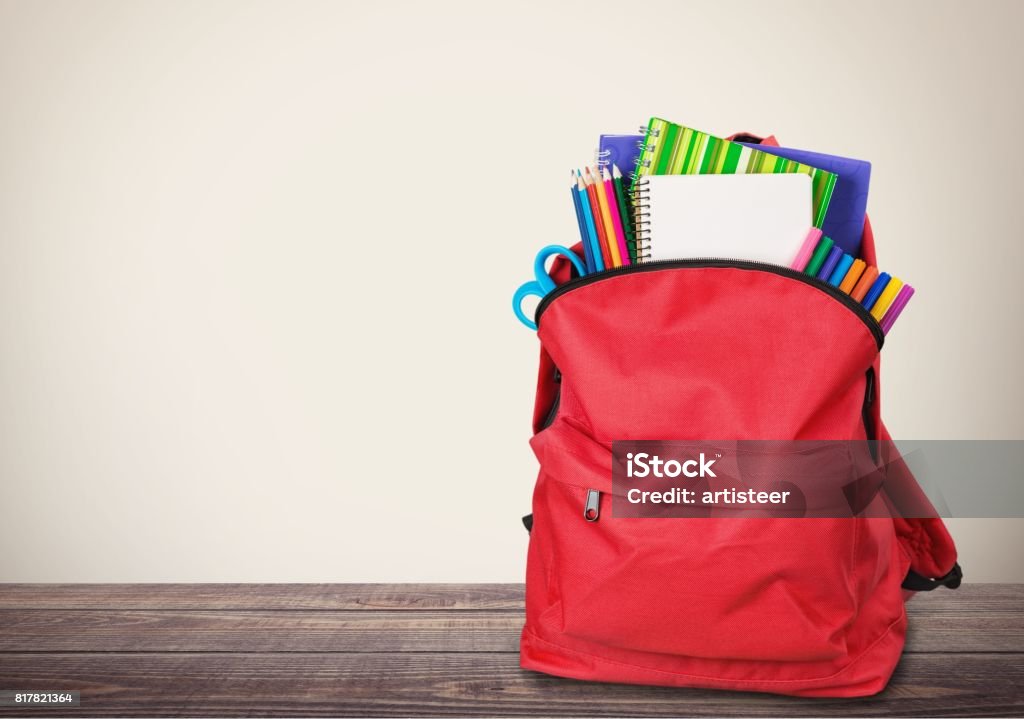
pixel 543 284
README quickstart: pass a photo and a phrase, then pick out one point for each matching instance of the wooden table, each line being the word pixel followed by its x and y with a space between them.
pixel 425 649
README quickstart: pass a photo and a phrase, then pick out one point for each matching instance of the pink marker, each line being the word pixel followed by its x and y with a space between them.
pixel 806 250
pixel 896 307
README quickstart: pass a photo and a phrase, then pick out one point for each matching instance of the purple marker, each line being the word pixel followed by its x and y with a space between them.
pixel 902 298
pixel 831 260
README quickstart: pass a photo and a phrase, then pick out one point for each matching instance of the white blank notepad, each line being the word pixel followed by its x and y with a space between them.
pixel 746 217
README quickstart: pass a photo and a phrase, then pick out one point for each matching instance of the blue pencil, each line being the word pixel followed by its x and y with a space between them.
pixel 831 260
pixel 588 219
pixel 876 289
pixel 588 253
pixel 841 269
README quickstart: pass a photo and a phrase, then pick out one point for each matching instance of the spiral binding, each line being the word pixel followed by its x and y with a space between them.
pixel 642 218
pixel 601 157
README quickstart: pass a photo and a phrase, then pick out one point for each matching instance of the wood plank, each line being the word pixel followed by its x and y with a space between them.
pixel 424 597
pixel 467 684
pixel 263 596
pixel 76 630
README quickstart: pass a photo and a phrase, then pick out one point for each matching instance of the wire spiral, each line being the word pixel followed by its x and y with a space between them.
pixel 642 217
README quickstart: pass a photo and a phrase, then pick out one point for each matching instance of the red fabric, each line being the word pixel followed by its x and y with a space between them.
pixel 809 607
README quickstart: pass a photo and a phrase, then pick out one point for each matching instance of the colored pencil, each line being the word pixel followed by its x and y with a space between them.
pixel 867 279
pixel 885 299
pixel 624 212
pixel 606 218
pixel 897 307
pixel 830 263
pixel 588 255
pixel 613 209
pixel 595 211
pixel 588 221
pixel 818 258
pixel 806 249
pixel 852 276
pixel 845 262
pixel 876 289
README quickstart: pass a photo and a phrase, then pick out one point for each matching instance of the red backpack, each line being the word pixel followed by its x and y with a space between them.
pixel 808 607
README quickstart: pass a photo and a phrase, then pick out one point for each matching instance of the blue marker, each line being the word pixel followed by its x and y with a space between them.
pixel 841 269
pixel 876 289
pixel 830 263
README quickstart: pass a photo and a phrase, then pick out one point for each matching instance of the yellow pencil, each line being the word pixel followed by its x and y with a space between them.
pixel 885 299
pixel 606 217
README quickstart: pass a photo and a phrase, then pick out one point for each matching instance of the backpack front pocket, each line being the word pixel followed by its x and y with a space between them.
pixel 716 588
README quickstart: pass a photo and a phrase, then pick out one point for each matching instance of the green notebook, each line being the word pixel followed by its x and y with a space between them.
pixel 670 149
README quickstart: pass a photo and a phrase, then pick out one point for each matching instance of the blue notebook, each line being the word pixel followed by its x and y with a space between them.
pixel 844 221
pixel 619 150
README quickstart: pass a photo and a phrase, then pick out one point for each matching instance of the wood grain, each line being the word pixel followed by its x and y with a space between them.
pixel 421 650
pixel 263 596
pixel 423 684
pixel 115 630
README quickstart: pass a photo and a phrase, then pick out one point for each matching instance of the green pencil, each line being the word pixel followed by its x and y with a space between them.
pixel 625 211
pixel 818 258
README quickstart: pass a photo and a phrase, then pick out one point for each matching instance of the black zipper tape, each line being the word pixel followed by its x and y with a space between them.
pixel 853 305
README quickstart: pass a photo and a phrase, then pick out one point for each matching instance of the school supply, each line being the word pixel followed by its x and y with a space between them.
pixel 850 281
pixel 671 149
pixel 885 299
pixel 876 290
pixel 806 249
pixel 839 274
pixel 831 260
pixel 595 211
pixel 621 150
pixel 588 254
pixel 616 219
pixel 818 258
pixel 606 218
pixel 542 284
pixel 867 279
pixel 625 212
pixel 591 241
pixel 844 219
pixel 896 308
pixel 687 216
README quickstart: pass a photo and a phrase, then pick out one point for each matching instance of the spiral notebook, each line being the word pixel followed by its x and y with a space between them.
pixel 671 149
pixel 763 218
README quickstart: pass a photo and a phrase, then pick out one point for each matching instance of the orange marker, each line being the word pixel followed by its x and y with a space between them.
pixel 864 283
pixel 852 276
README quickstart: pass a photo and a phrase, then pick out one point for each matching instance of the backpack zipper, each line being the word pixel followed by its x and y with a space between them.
pixel 553 411
pixel 853 305
pixel 865 412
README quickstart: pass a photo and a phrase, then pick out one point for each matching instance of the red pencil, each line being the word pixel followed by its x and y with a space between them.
pixel 606 254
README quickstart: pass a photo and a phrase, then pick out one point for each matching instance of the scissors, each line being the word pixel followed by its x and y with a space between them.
pixel 543 284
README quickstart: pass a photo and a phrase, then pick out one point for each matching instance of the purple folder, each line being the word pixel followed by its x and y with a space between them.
pixel 844 221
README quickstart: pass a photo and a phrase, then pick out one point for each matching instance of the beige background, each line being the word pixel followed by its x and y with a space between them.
pixel 256 257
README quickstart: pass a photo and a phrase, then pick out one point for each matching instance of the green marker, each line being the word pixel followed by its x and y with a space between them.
pixel 818 258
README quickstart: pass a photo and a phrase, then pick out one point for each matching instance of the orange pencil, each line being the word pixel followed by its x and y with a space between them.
pixel 864 283
pixel 852 276
pixel 606 217
pixel 606 254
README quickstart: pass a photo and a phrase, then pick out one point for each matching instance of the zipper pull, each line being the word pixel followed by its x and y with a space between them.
pixel 869 391
pixel 592 510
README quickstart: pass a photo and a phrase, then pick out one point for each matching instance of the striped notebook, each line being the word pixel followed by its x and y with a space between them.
pixel 670 149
